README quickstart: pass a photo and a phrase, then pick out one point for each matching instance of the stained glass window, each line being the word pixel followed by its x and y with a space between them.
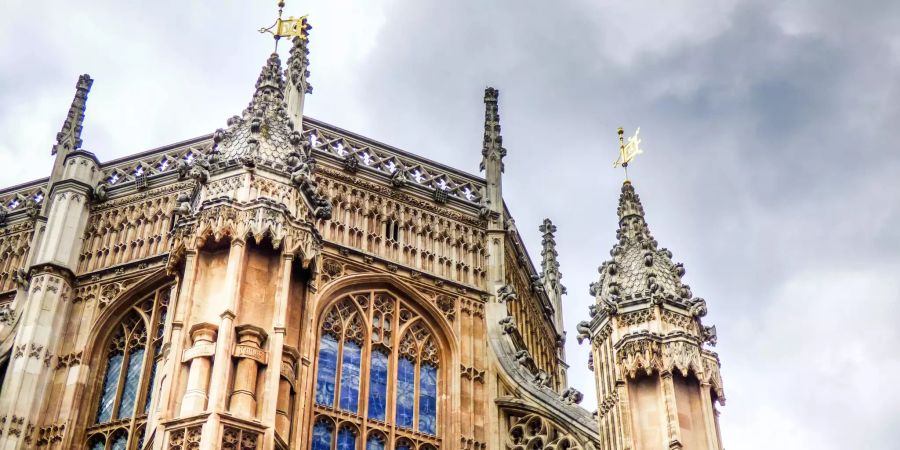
pixel 406 392
pixel 346 439
pixel 357 342
pixel 120 442
pixel 321 439
pixel 378 380
pixel 350 377
pixel 128 372
pixel 375 442
pixel 428 399
pixel 132 377
pixel 110 384
pixel 328 350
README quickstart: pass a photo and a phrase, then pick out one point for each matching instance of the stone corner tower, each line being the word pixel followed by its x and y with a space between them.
pixel 657 384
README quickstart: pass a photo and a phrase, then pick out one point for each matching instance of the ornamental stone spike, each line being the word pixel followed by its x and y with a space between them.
pixel 297 84
pixel 550 278
pixel 69 138
pixel 492 150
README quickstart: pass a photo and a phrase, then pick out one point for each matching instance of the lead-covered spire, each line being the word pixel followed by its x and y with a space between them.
pixel 69 138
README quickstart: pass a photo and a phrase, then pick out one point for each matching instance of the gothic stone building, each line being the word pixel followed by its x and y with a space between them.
pixel 282 283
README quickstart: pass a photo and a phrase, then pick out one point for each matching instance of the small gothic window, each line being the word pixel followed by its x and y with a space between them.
pixel 128 369
pixel 386 381
pixel 392 230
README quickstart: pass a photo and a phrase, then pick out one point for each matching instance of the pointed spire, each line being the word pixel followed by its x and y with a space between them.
pixel 269 86
pixel 632 226
pixel 493 150
pixel 298 65
pixel 69 138
pixel 549 264
pixel 297 85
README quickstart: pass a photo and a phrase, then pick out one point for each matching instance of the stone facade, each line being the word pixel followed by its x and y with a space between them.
pixel 282 283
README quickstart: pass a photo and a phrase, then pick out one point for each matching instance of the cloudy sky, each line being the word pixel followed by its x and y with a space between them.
pixel 771 165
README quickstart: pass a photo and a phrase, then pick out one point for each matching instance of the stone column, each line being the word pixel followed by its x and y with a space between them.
pixel 249 353
pixel 289 358
pixel 203 336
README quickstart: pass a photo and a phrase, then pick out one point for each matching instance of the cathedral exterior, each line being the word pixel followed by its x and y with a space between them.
pixel 282 283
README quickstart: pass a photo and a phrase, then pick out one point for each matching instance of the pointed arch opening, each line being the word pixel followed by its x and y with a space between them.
pixel 125 358
pixel 378 366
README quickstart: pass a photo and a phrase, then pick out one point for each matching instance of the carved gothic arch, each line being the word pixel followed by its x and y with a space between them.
pixel 93 355
pixel 424 311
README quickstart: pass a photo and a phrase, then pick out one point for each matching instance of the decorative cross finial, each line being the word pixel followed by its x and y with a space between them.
pixel 298 27
pixel 628 150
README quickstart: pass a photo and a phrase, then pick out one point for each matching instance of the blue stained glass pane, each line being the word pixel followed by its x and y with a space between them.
pixel 150 388
pixel 403 447
pixel 132 377
pixel 110 383
pixel 327 370
pixel 378 379
pixel 97 444
pixel 428 399
pixel 375 442
pixel 321 439
pixel 346 440
pixel 406 388
pixel 119 442
pixel 350 377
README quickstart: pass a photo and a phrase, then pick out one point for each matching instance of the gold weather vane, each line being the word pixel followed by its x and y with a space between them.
pixel 627 151
pixel 289 27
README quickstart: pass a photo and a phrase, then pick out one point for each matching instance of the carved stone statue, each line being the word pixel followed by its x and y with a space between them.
pixel 698 307
pixel 709 335
pixel 20 278
pixel 182 205
pixel 542 378
pixel 100 194
pixel 572 396
pixel 584 331
pixel 509 324
pixel 505 293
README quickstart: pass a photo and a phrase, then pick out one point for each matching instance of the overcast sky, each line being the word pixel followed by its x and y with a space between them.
pixel 771 165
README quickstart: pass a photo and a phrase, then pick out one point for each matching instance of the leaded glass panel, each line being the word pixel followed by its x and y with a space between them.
pixel 350 377
pixel 132 377
pixel 406 391
pixel 110 384
pixel 346 439
pixel 428 399
pixel 378 380
pixel 375 442
pixel 321 439
pixel 328 349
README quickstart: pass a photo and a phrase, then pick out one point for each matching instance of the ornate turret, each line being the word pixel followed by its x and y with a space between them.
pixel 648 345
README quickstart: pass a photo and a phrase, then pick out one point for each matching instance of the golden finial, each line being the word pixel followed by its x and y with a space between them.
pixel 628 150
pixel 298 27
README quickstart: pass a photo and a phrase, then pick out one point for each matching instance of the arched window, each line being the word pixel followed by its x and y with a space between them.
pixel 127 371
pixel 376 379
